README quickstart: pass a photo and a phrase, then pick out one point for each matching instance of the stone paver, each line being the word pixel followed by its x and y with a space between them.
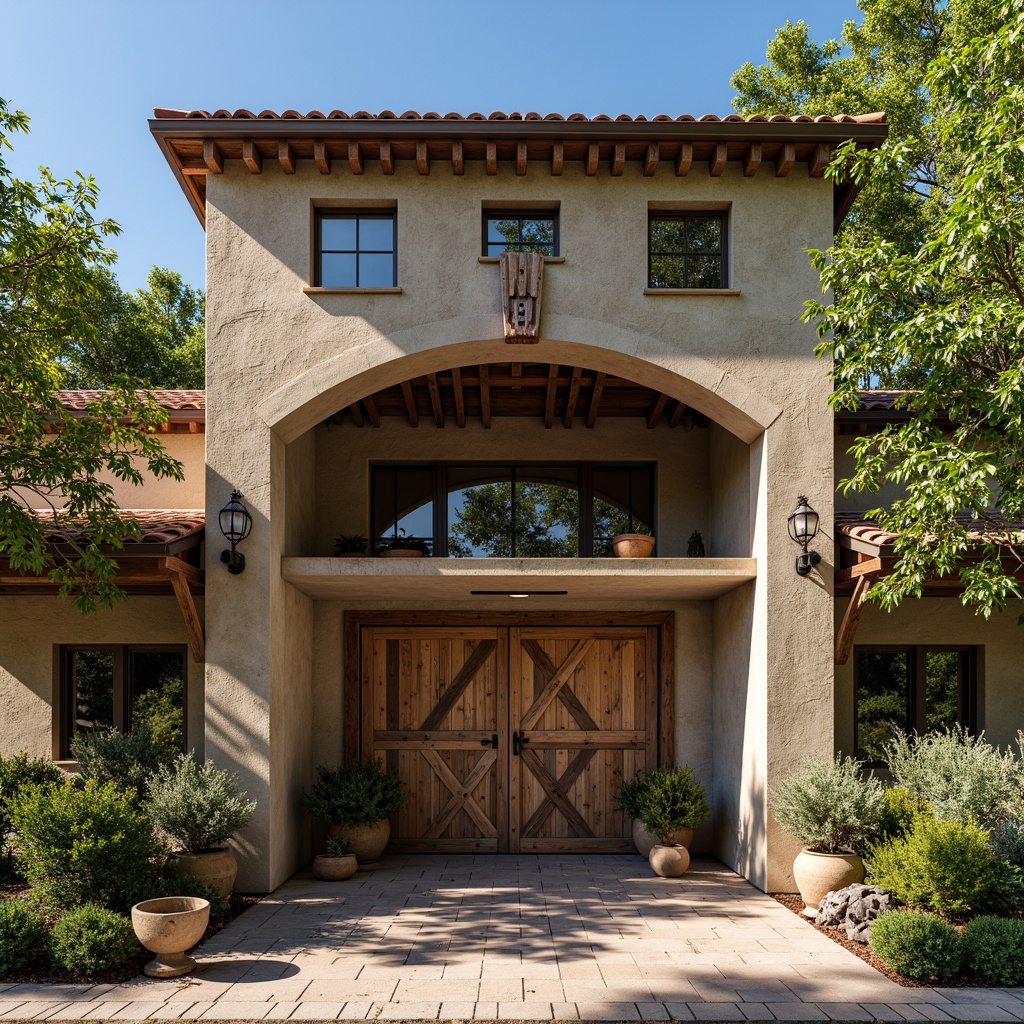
pixel 560 938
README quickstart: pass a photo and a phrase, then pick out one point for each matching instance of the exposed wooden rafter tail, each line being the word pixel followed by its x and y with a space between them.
pixel 321 157
pixel 458 159
pixel 212 157
pixel 492 158
pixel 685 159
pixel 651 159
pixel 574 393
pixel 819 160
pixel 549 398
pixel 520 158
pixel 785 160
pixel 677 414
pixel 485 396
pixel 422 160
pixel 410 404
pixel 286 156
pixel 618 159
pixel 752 160
pixel 460 401
pixel 595 400
pixel 372 411
pixel 592 157
pixel 557 158
pixel 717 160
pixel 251 157
pixel 355 157
pixel 656 410
pixel 387 164
pixel 435 399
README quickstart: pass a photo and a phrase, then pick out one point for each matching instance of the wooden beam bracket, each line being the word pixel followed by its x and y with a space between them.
pixel 180 573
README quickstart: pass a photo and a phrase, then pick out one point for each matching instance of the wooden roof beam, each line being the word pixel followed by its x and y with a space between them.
pixel 458 159
pixel 819 160
pixel 355 157
pixel 321 157
pixel 592 152
pixel 179 574
pixel 492 158
pixel 651 159
pixel 574 394
pixel 677 414
pixel 251 157
pixel 410 404
pixel 851 619
pixel 435 399
pixel 618 159
pixel 685 159
pixel 785 159
pixel 372 411
pixel 656 410
pixel 557 158
pixel 460 401
pixel 520 158
pixel 549 399
pixel 286 156
pixel 752 160
pixel 387 165
pixel 357 414
pixel 422 160
pixel 595 400
pixel 213 157
pixel 485 396
pixel 717 160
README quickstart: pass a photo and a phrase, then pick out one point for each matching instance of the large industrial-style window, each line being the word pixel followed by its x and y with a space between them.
pixel 911 689
pixel 520 232
pixel 686 250
pixel 356 249
pixel 121 687
pixel 510 510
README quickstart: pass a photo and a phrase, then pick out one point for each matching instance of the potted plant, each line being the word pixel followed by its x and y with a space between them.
pixel 630 799
pixel 829 807
pixel 168 926
pixel 695 545
pixel 198 808
pixel 357 800
pixel 671 800
pixel 337 863
pixel 404 546
pixel 632 545
pixel 350 546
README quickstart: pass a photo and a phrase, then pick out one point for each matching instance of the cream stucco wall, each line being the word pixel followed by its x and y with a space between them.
pixel 280 361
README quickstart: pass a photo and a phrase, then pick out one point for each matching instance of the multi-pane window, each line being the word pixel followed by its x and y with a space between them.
pixel 686 250
pixel 911 689
pixel 122 687
pixel 511 510
pixel 520 232
pixel 356 249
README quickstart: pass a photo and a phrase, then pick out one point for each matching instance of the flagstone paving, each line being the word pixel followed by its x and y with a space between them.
pixel 519 938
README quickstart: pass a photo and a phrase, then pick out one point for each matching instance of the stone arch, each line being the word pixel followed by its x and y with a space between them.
pixel 372 361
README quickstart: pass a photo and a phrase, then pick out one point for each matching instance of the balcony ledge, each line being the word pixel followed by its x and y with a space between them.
pixel 454 579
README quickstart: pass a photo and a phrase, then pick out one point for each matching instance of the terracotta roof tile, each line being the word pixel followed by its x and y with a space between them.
pixel 170 113
pixel 174 399
pixel 855 526
pixel 158 525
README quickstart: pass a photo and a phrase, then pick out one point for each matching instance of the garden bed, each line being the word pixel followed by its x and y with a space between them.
pixel 792 901
pixel 43 972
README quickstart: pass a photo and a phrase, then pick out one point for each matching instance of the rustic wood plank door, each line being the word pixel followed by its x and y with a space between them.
pixel 435 708
pixel 583 716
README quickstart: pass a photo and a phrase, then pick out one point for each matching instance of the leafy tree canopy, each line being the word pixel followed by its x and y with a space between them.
pixel 52 254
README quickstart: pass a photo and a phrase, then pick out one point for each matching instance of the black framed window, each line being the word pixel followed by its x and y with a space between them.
pixel 911 689
pixel 511 510
pixel 121 686
pixel 520 232
pixel 686 250
pixel 356 249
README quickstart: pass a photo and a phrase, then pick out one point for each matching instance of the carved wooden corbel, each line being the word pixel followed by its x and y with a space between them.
pixel 522 280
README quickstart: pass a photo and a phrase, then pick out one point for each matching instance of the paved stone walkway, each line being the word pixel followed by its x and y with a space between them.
pixel 519 938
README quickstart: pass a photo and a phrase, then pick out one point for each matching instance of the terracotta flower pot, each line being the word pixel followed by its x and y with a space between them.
pixel 819 873
pixel 645 841
pixel 633 545
pixel 168 927
pixel 334 869
pixel 669 861
pixel 367 842
pixel 214 867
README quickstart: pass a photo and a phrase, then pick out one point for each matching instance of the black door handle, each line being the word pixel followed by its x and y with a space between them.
pixel 492 742
pixel 518 740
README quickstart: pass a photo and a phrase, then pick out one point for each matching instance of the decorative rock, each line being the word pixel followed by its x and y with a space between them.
pixel 854 908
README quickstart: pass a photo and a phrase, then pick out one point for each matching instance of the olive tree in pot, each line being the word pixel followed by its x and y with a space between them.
pixel 356 801
pixel 829 806
pixel 198 808
pixel 670 800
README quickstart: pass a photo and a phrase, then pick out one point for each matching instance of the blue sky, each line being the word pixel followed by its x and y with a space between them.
pixel 89 75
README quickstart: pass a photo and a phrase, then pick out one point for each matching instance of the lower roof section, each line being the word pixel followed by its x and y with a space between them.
pixel 462 579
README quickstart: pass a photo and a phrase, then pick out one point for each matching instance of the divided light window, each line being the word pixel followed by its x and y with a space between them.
pixel 356 249
pixel 911 689
pixel 686 250
pixel 520 232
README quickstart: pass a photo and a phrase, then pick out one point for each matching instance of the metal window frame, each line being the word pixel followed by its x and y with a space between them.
pixel 342 213
pixel 686 215
pixel 520 216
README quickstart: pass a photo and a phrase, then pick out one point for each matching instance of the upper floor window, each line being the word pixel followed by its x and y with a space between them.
pixel 686 250
pixel 521 231
pixel 356 249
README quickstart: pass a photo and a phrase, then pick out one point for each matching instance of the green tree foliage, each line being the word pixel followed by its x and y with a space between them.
pixel 52 250
pixel 154 336
pixel 953 309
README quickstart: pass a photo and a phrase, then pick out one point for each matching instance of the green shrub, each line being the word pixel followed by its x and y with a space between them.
pixel 1006 895
pixel 629 796
pixel 16 772
pixel 338 847
pixel 162 710
pixel 92 940
pixel 945 865
pixel 84 844
pixel 960 775
pixel 1007 841
pixel 917 945
pixel 126 759
pixel 994 947
pixel 899 809
pixel 197 807
pixel 359 793
pixel 671 799
pixel 22 936
pixel 828 805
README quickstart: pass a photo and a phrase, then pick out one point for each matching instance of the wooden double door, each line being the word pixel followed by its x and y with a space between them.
pixel 510 738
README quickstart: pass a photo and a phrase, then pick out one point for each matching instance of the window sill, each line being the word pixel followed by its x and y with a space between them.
pixel 692 291
pixel 351 291
pixel 495 259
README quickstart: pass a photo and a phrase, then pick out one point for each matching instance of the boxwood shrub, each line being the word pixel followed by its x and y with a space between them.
pixel 917 945
pixel 994 947
pixel 22 936
pixel 92 940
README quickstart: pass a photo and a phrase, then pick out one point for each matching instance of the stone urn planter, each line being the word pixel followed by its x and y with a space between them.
pixel 632 545
pixel 214 867
pixel 819 873
pixel 334 869
pixel 669 861
pixel 366 842
pixel 645 841
pixel 167 927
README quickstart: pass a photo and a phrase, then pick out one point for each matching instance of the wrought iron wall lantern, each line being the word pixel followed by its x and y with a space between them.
pixel 235 524
pixel 803 528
